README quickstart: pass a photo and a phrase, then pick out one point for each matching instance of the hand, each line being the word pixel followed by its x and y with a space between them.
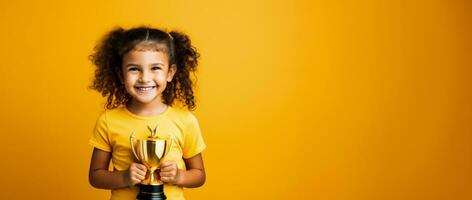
pixel 169 172
pixel 135 174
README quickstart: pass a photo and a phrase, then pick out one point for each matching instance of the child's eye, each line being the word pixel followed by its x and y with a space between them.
pixel 132 69
pixel 155 68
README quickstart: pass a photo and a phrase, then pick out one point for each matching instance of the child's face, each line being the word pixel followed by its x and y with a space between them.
pixel 145 75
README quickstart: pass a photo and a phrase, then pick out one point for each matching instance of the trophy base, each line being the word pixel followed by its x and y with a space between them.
pixel 151 192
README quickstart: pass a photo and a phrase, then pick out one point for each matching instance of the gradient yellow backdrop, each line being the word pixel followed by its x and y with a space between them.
pixel 297 99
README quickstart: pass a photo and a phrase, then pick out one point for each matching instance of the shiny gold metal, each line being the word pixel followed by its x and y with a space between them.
pixel 150 152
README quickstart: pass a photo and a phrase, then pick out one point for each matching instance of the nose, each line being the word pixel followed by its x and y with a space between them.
pixel 145 77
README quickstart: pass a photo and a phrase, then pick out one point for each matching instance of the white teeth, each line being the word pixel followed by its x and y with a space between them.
pixel 145 88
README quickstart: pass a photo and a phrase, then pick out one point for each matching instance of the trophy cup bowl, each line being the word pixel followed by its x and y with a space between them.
pixel 150 152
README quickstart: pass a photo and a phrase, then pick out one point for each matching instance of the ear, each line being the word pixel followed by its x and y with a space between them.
pixel 171 73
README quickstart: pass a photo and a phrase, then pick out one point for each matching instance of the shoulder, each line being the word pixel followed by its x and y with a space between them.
pixel 113 113
pixel 102 117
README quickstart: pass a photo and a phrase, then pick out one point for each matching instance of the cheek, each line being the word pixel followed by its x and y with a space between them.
pixel 129 81
pixel 128 87
pixel 161 79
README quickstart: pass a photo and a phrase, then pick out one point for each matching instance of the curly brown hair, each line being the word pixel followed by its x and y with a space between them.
pixel 108 56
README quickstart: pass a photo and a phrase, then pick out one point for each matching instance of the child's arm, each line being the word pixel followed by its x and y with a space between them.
pixel 100 177
pixel 193 177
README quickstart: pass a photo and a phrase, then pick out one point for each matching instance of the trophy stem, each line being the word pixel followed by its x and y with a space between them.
pixel 151 176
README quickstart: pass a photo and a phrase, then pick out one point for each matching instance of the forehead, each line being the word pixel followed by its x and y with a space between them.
pixel 145 56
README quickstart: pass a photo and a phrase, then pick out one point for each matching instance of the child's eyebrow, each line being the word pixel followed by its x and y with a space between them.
pixel 132 65
pixel 137 65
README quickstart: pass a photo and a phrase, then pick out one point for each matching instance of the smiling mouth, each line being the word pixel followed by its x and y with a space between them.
pixel 144 88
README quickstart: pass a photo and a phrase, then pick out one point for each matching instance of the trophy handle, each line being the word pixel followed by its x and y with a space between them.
pixel 132 140
pixel 168 147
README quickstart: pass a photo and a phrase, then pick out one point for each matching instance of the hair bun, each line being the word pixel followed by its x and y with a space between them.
pixel 186 54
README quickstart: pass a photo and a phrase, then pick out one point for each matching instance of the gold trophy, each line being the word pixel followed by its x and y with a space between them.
pixel 150 152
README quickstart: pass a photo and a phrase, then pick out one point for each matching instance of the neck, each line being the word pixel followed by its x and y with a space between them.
pixel 150 109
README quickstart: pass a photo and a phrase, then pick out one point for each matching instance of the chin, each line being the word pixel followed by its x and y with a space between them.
pixel 145 100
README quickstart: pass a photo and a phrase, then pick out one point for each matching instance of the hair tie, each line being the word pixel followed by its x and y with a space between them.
pixel 170 36
pixel 147 35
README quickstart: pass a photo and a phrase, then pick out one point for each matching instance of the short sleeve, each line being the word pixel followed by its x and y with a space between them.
pixel 99 138
pixel 193 139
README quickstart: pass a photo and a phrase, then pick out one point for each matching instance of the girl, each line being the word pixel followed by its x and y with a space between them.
pixel 142 71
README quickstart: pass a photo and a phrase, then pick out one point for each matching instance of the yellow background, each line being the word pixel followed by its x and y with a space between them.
pixel 299 99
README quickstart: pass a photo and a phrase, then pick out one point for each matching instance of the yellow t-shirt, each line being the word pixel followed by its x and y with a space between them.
pixel 112 134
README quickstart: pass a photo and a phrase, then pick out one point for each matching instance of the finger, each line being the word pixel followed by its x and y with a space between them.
pixel 137 175
pixel 166 169
pixel 135 181
pixel 165 179
pixel 141 167
pixel 167 174
pixel 141 173
pixel 133 171
pixel 169 168
pixel 134 167
pixel 140 170
pixel 141 176
pixel 168 163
